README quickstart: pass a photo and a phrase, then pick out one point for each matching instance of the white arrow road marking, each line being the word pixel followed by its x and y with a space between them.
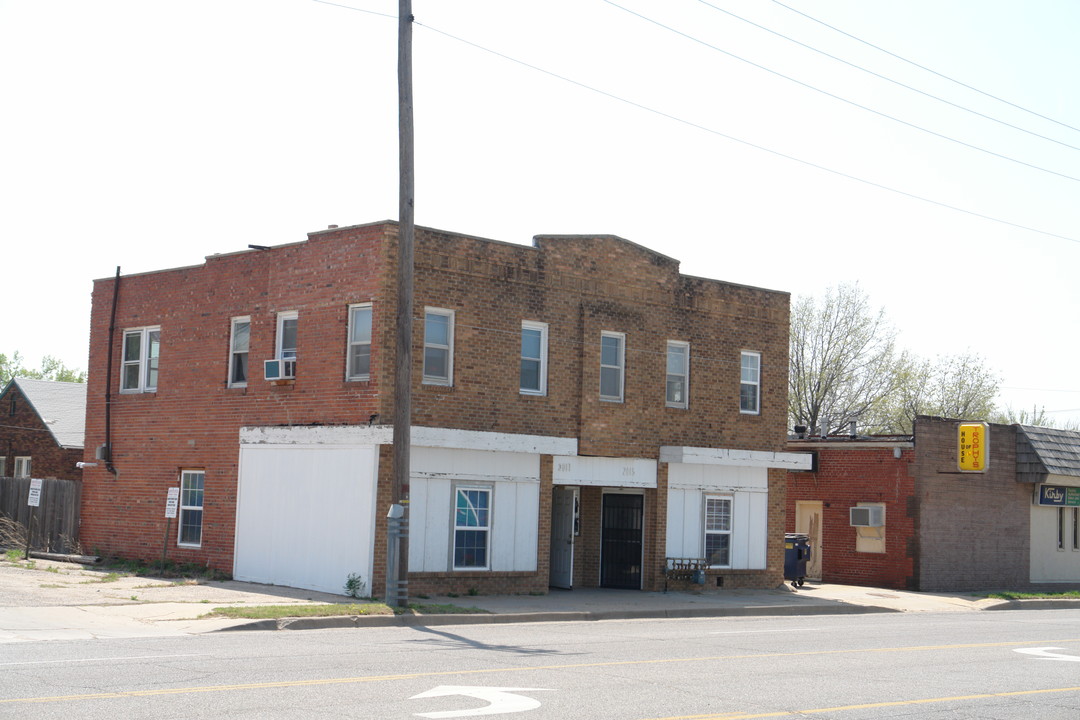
pixel 501 700
pixel 1044 653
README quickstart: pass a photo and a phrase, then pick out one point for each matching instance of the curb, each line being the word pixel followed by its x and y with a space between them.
pixel 1035 604
pixel 360 621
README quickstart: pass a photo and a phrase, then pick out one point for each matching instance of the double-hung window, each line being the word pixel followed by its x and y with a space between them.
pixel 286 341
pixel 612 362
pixel 438 346
pixel 533 378
pixel 22 467
pixel 359 351
pixel 718 530
pixel 191 508
pixel 750 383
pixel 472 528
pixel 139 365
pixel 239 343
pixel 678 373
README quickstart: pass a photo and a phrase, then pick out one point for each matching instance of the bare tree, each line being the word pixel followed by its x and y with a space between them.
pixel 843 359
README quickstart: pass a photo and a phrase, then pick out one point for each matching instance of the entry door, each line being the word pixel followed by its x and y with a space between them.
pixel 621 541
pixel 563 511
pixel 808 522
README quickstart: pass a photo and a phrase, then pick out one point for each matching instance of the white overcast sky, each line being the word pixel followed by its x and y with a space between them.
pixel 149 134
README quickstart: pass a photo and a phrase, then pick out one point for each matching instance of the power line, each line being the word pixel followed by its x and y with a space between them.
pixel 747 143
pixel 886 78
pixel 923 67
pixel 839 97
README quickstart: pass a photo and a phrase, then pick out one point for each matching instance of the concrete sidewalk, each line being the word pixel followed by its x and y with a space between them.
pixel 55 600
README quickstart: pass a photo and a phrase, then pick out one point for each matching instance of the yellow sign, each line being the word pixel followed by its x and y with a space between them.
pixel 973 447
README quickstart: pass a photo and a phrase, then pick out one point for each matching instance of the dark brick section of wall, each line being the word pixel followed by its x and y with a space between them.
pixel 974 528
pixel 850 473
pixel 580 286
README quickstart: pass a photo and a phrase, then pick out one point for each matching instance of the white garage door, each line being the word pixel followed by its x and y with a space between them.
pixel 305 515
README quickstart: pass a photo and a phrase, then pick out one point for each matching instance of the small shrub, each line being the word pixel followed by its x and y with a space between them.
pixel 355 586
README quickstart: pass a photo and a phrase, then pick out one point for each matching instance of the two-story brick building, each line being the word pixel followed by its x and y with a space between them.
pixel 581 411
pixel 926 524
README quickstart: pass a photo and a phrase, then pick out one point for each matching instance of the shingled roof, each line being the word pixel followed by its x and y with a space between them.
pixel 1042 451
pixel 60 405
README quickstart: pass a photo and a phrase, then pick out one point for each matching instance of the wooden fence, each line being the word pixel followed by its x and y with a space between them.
pixel 54 524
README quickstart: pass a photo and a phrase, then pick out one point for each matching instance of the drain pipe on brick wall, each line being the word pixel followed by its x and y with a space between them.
pixel 108 378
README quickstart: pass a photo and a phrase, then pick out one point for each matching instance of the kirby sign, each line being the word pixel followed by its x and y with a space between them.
pixel 1058 496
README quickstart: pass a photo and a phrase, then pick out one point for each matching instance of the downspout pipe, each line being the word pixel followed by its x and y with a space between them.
pixel 108 378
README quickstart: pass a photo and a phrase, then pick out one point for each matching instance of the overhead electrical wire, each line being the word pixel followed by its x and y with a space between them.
pixel 726 136
pixel 923 67
pixel 839 97
pixel 886 78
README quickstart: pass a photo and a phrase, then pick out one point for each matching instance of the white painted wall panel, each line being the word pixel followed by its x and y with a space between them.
pixel 758 531
pixel 304 516
pixel 474 464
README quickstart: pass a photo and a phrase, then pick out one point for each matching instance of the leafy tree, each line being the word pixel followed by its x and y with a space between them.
pixel 51 369
pixel 1038 416
pixel 843 358
pixel 845 366
pixel 953 386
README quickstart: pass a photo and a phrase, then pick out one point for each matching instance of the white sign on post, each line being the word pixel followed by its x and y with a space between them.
pixel 34 500
pixel 172 502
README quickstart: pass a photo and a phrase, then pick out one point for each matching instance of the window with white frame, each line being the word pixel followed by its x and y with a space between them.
pixel 239 343
pixel 139 364
pixel 750 383
pixel 438 346
pixel 472 528
pixel 678 373
pixel 612 362
pixel 191 508
pixel 22 466
pixel 287 324
pixel 718 530
pixel 359 351
pixel 533 377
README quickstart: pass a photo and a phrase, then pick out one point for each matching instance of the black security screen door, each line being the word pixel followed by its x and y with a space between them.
pixel 620 539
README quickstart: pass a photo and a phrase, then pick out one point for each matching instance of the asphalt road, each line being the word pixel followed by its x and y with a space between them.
pixel 1021 664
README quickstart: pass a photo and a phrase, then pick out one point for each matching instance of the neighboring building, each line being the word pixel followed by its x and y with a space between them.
pixel 581 412
pixel 927 525
pixel 41 434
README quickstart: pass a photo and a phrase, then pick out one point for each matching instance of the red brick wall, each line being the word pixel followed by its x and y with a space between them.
pixel 849 473
pixel 579 286
pixel 24 433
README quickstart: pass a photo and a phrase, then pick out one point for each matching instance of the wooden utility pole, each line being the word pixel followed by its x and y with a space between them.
pixel 397 570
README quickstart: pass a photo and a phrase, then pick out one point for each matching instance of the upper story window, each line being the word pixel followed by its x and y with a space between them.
pixel 678 373
pixel 359 350
pixel 438 346
pixel 139 367
pixel 3 466
pixel 718 530
pixel 22 467
pixel 750 383
pixel 239 343
pixel 533 378
pixel 612 362
pixel 287 323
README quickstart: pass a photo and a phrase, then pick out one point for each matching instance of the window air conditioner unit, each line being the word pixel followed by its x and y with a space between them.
pixel 867 516
pixel 279 369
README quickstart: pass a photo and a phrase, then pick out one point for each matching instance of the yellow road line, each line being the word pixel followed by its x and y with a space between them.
pixel 534 668
pixel 867 706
